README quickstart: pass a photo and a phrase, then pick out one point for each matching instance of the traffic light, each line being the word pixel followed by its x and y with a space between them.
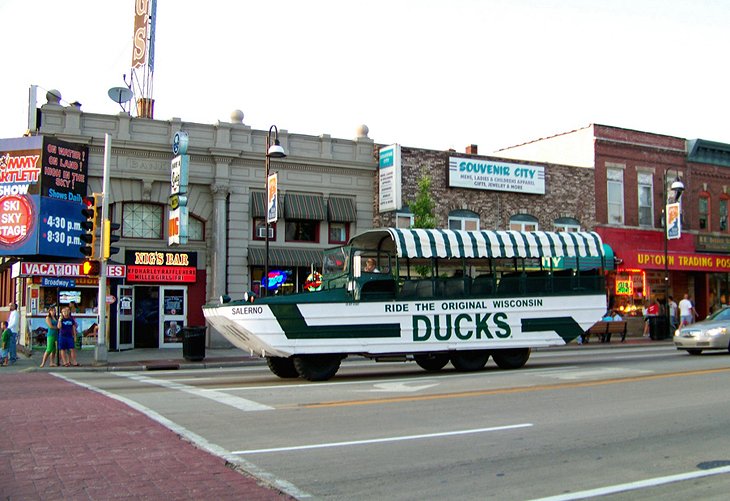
pixel 88 237
pixel 110 238
pixel 91 268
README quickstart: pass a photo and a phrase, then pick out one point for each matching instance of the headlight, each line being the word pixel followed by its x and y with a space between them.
pixel 716 331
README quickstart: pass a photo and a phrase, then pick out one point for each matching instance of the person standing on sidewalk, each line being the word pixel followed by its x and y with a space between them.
pixel 673 315
pixel 4 342
pixel 687 311
pixel 13 325
pixel 67 338
pixel 51 337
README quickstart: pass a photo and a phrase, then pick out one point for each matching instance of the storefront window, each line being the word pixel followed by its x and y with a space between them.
pixel 646 198
pixel 703 211
pixel 566 224
pixel 615 195
pixel 403 220
pixel 463 220
pixel 302 231
pixel 141 220
pixel 523 222
pixel 339 233
pixel 259 229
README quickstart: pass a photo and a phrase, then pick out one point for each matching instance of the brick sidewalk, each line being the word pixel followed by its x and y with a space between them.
pixel 63 441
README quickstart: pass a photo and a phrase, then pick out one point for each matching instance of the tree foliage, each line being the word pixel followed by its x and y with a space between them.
pixel 423 205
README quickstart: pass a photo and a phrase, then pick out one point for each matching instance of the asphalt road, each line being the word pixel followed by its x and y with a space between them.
pixel 637 422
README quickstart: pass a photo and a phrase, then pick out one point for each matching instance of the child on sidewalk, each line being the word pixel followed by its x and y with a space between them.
pixel 5 344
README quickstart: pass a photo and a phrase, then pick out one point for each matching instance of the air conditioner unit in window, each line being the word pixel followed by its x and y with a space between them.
pixel 261 232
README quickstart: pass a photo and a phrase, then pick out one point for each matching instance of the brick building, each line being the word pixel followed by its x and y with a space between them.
pixel 634 171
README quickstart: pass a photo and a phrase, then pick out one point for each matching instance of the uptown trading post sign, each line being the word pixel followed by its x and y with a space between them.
pixel 497 176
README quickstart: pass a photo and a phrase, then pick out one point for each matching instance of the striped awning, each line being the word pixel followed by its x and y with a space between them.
pixel 258 205
pixel 341 210
pixel 279 256
pixel 297 206
pixel 421 243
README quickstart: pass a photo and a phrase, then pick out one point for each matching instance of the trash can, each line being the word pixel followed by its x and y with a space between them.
pixel 658 327
pixel 193 343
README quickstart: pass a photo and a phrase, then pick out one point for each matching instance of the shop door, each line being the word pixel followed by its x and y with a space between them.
pixel 125 317
pixel 146 316
pixel 173 309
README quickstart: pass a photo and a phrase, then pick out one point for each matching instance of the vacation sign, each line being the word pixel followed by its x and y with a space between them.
pixel 497 176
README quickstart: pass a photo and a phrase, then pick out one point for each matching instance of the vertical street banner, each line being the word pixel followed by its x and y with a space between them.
pixel 272 195
pixel 389 178
pixel 673 222
pixel 177 227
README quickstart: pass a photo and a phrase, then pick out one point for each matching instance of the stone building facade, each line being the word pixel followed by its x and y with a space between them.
pixel 328 180
pixel 565 199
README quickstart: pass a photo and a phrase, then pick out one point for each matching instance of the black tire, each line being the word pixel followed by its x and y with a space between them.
pixel 694 352
pixel 282 367
pixel 317 367
pixel 512 358
pixel 469 360
pixel 431 362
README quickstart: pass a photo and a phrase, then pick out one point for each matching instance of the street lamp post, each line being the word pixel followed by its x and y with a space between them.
pixel 671 222
pixel 274 150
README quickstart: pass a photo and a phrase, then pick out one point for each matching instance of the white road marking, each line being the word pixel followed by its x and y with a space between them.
pixel 403 387
pixel 217 396
pixel 383 440
pixel 632 486
pixel 199 441
pixel 597 373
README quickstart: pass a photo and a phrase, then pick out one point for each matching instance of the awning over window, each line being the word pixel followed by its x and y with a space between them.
pixel 298 206
pixel 258 205
pixel 341 210
pixel 284 257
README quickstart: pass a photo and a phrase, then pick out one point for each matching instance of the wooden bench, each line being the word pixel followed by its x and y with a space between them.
pixel 604 330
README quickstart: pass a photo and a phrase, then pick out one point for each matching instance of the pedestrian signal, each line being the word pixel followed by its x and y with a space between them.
pixel 91 268
pixel 88 236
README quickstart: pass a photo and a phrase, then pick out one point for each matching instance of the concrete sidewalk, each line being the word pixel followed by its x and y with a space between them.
pixel 64 441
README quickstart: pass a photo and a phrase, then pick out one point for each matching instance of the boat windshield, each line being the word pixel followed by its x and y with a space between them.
pixel 336 261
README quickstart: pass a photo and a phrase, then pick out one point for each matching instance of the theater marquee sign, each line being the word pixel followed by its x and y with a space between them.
pixel 161 267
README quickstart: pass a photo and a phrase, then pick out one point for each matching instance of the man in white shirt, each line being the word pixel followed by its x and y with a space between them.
pixel 13 325
pixel 687 312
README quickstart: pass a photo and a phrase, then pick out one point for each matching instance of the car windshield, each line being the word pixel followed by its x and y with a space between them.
pixel 721 314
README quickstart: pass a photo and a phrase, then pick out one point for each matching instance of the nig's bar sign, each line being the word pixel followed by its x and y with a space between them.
pixel 497 176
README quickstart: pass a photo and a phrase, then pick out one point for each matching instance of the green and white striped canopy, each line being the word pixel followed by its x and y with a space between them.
pixel 421 243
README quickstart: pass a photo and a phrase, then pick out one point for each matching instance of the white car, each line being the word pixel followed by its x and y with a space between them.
pixel 713 333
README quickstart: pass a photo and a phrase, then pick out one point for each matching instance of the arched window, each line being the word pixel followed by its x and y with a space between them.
pixel 463 220
pixel 142 220
pixel 703 211
pixel 566 224
pixel 523 222
pixel 723 212
pixel 196 229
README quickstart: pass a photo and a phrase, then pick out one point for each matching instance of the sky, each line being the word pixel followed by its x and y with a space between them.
pixel 427 74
